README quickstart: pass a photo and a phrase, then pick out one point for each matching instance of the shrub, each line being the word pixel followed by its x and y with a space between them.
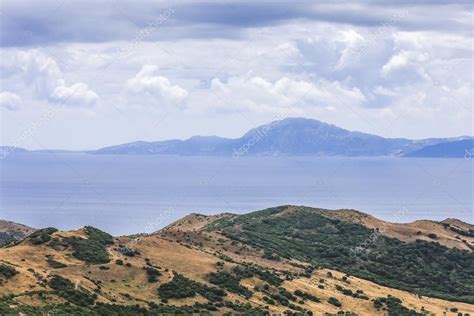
pixel 334 301
pixel 247 271
pixel 394 307
pixel 124 250
pixel 469 233
pixel 270 256
pixel 182 287
pixel 283 292
pixel 152 273
pixel 378 304
pixel 66 289
pixel 42 235
pixel 229 282
pixel 55 264
pixel 269 300
pixel 88 250
pixel 98 235
pixel 7 271
pixel 306 296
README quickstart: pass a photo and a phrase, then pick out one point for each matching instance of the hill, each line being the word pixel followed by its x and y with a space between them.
pixel 10 231
pixel 453 149
pixel 289 258
pixel 287 137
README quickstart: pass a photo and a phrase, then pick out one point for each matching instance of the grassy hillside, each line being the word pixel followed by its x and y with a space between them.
pixel 425 268
pixel 285 259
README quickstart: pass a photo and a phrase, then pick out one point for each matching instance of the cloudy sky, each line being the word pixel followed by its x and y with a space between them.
pixel 87 74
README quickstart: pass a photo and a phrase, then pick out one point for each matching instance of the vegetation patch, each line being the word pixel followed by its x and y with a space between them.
pixel 124 250
pixel 467 233
pixel 282 297
pixel 66 289
pixel 229 282
pixel 394 307
pixel 92 250
pixel 88 250
pixel 306 296
pixel 10 307
pixel 98 235
pixel 270 256
pixel 334 301
pixel 42 235
pixel 358 294
pixel 152 274
pixel 248 271
pixel 7 271
pixel 55 264
pixel 182 287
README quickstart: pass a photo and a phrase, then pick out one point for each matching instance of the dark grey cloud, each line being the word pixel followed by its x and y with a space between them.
pixel 29 23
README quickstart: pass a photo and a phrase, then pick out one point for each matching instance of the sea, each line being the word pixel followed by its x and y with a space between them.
pixel 127 194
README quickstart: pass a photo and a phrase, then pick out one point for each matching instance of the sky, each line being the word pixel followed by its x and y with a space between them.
pixel 87 74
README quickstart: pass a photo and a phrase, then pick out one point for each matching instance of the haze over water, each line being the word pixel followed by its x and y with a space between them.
pixel 126 194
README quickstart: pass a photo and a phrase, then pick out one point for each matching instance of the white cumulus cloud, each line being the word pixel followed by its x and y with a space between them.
pixel 148 81
pixel 77 94
pixel 10 101
pixel 40 73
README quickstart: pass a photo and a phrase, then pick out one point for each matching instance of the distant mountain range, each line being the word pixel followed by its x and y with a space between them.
pixel 293 137
pixel 287 137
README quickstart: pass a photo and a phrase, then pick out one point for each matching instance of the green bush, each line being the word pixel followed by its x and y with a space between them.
pixel 124 250
pixel 248 271
pixel 229 282
pixel 7 271
pixel 55 264
pixel 88 250
pixel 42 235
pixel 182 287
pixel 270 256
pixel 467 233
pixel 334 301
pixel 394 307
pixel 98 235
pixel 66 289
pixel 152 273
pixel 306 296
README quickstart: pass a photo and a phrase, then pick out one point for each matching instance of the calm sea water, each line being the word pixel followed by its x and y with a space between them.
pixel 129 194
